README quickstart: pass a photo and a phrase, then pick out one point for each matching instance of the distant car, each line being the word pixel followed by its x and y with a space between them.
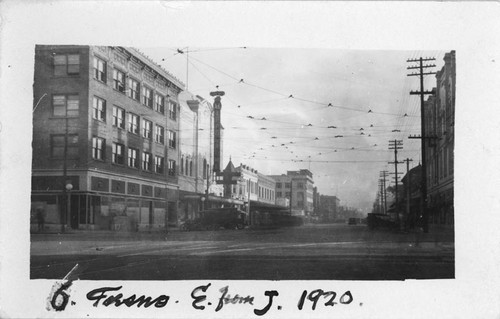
pixel 352 221
pixel 214 219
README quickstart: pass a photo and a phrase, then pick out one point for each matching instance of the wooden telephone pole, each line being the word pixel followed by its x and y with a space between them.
pixel 408 188
pixel 396 145
pixel 422 93
pixel 383 175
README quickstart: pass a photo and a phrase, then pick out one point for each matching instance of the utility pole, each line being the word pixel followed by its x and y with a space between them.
pixel 422 93
pixel 383 174
pixel 396 145
pixel 408 187
pixel 380 198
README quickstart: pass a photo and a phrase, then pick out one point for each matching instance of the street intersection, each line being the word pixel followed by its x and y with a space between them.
pixel 319 252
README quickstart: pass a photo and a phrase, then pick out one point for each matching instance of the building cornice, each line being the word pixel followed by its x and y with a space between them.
pixel 153 66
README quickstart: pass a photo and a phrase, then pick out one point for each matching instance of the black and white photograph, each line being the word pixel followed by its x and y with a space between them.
pixel 225 160
pixel 272 164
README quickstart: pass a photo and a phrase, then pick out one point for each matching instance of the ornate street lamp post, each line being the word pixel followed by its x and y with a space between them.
pixel 68 187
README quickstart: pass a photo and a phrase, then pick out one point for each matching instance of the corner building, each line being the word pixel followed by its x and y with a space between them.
pixel 105 139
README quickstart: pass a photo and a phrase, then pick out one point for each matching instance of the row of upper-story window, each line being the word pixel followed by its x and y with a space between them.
pixel 69 105
pixel 69 64
pixel 244 187
pixel 187 167
pixel 145 160
pixel 266 193
pixel 137 125
pixel 280 194
pixel 288 185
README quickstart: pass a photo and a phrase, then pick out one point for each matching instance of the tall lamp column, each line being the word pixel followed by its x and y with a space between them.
pixel 68 187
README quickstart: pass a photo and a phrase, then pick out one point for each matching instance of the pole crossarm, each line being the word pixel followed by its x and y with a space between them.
pixel 424 92
pixel 423 66
pixel 419 74
pixel 433 137
pixel 421 59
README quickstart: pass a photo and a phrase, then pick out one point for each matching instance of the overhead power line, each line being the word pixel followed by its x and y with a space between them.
pixel 291 95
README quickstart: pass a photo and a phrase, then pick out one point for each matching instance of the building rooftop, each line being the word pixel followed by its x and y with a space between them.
pixel 158 68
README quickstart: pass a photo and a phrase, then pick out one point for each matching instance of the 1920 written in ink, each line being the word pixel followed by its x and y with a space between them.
pixel 111 296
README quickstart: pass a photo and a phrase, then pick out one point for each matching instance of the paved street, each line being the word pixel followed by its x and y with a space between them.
pixel 317 252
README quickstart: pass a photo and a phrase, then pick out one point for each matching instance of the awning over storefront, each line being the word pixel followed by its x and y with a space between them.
pixel 195 197
pixel 224 200
pixel 254 205
pixel 211 198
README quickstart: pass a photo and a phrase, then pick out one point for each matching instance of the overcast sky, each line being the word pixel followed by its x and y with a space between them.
pixel 345 145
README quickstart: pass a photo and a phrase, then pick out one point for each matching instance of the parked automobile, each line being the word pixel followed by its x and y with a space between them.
pixel 352 221
pixel 214 219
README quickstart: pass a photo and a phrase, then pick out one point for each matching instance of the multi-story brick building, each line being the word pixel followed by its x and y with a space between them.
pixel 267 189
pixel 247 187
pixel 328 208
pixel 251 191
pixel 257 187
pixel 297 186
pixel 251 185
pixel 440 123
pixel 105 138
pixel 283 189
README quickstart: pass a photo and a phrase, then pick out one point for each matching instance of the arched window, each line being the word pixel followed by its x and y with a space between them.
pixel 190 168
pixel 182 165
